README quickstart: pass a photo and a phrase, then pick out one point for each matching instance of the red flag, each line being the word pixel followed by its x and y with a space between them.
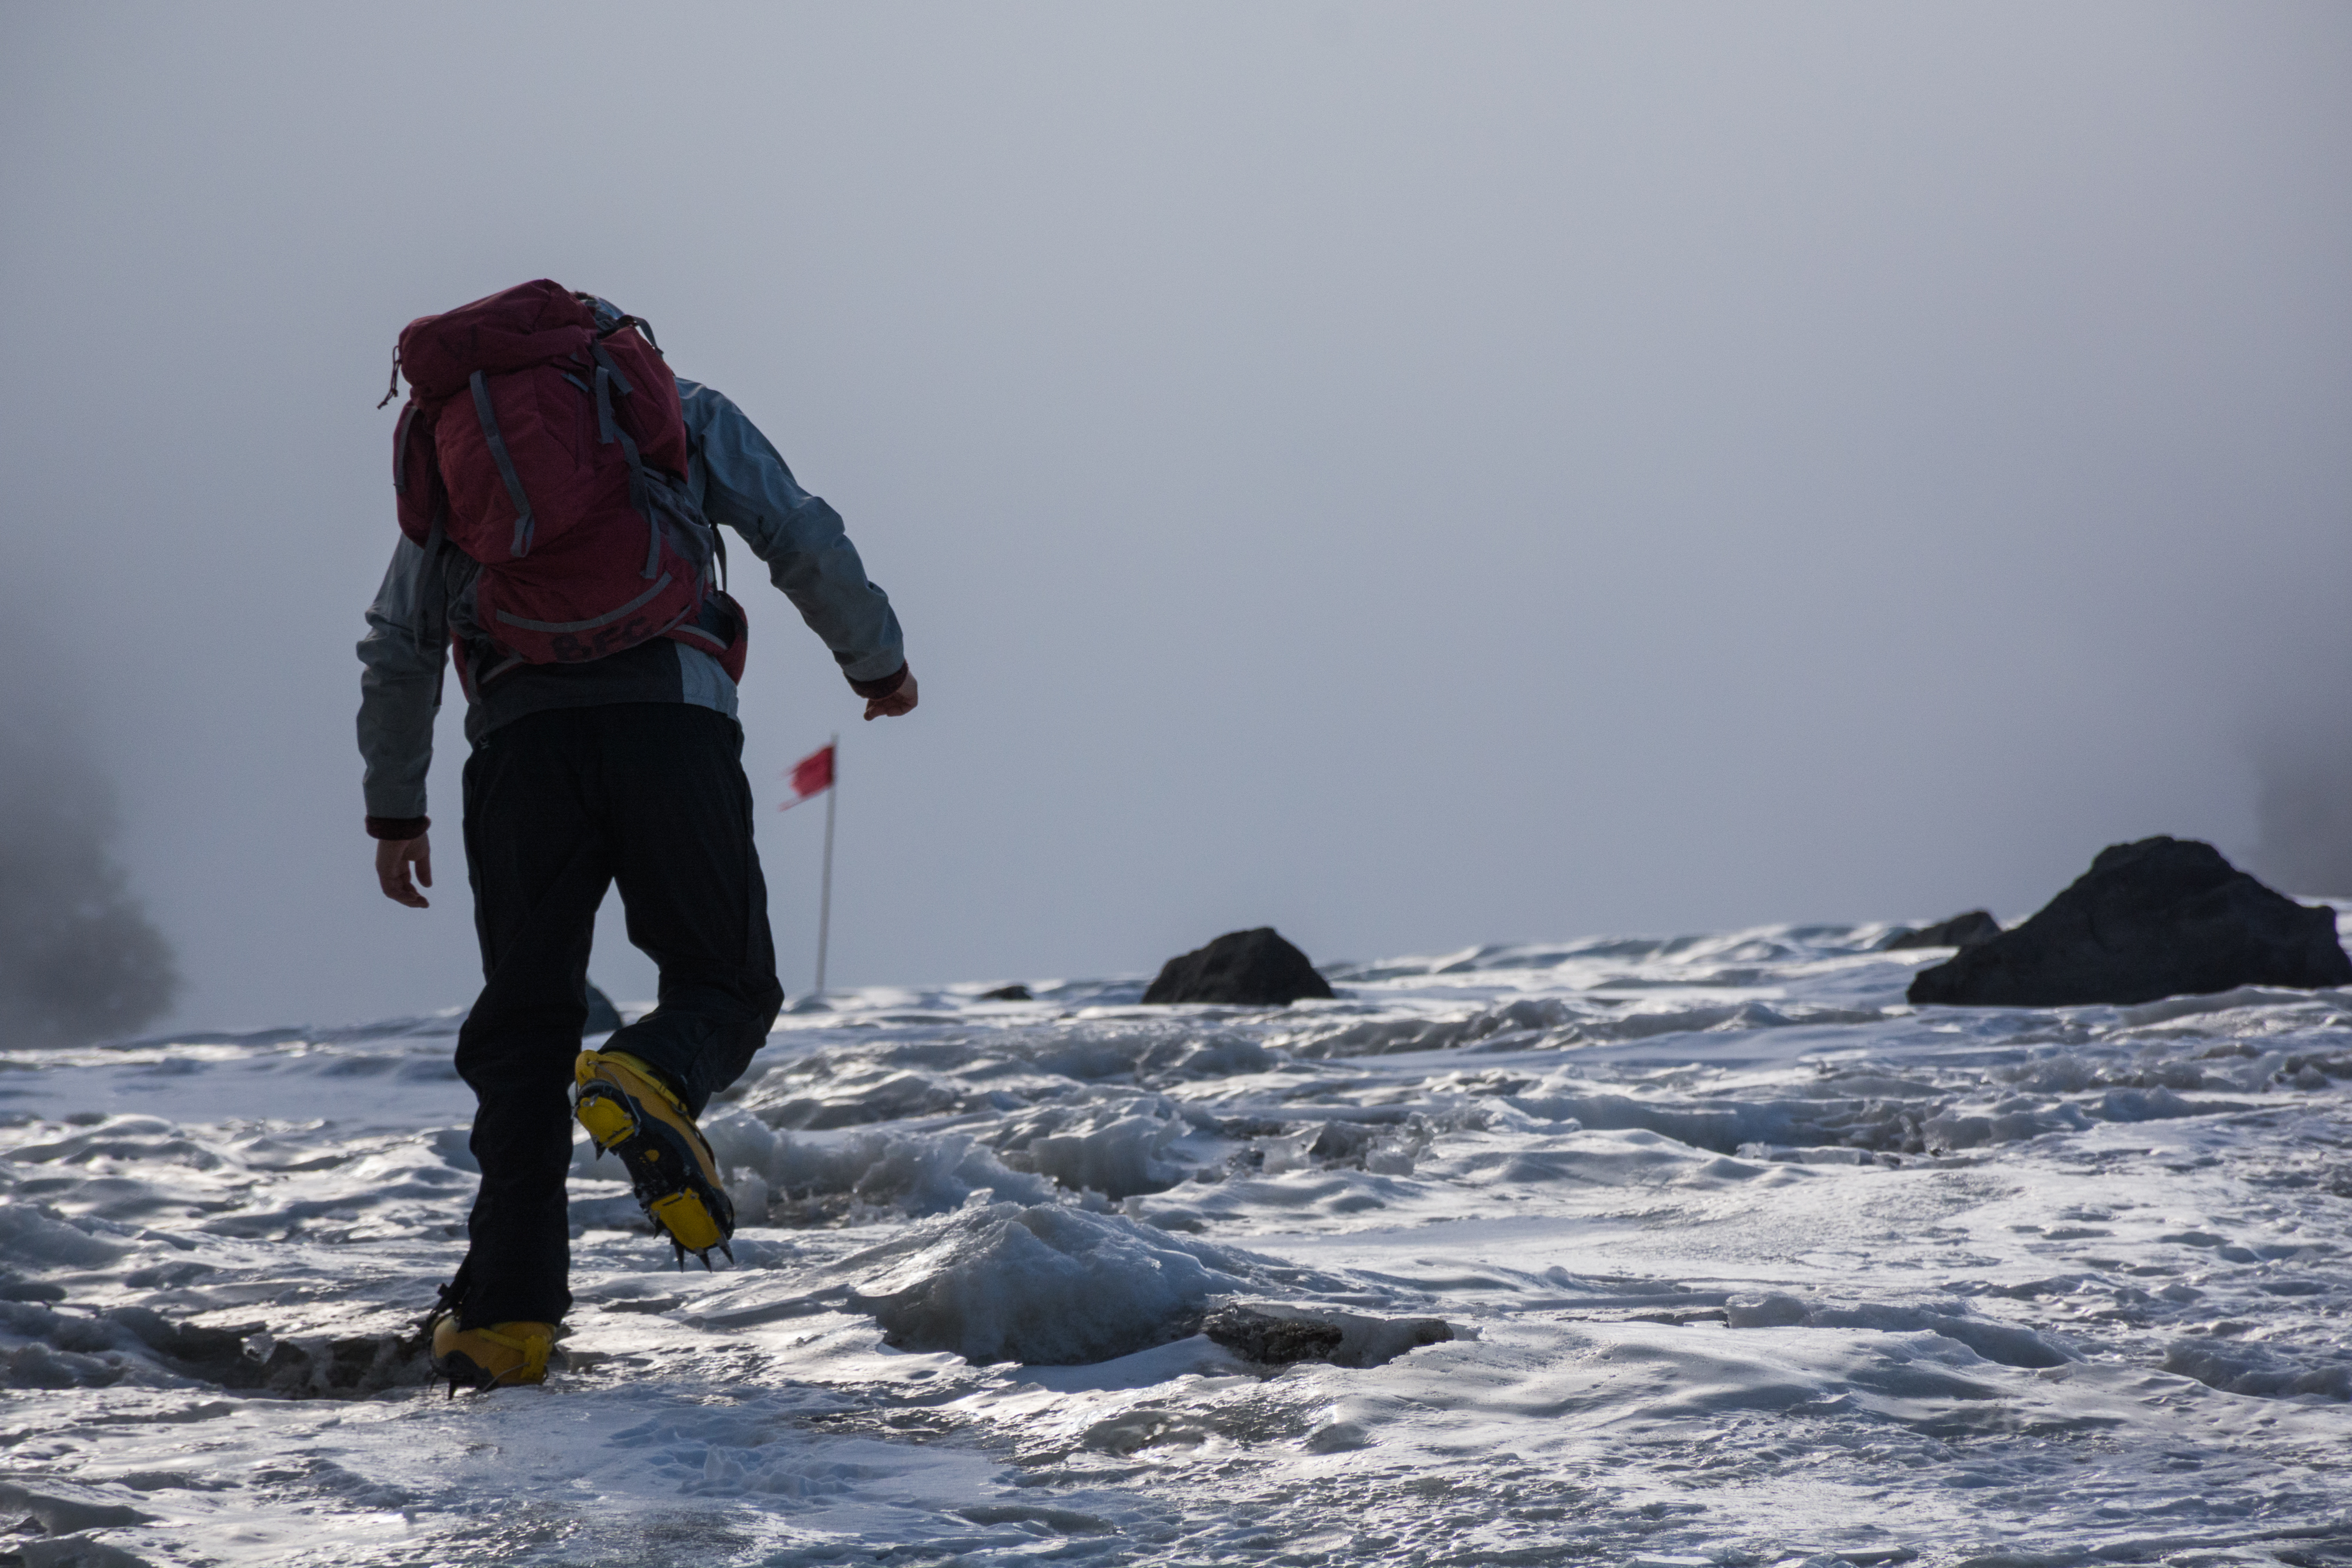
pixel 810 776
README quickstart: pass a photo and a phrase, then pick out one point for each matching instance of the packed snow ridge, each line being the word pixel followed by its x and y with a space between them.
pixel 1706 1251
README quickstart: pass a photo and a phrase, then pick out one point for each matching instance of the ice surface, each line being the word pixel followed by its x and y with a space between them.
pixel 1744 1260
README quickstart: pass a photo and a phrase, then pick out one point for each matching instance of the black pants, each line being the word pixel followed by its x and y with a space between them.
pixel 559 804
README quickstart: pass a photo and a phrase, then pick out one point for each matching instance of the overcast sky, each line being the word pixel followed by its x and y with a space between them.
pixel 1415 476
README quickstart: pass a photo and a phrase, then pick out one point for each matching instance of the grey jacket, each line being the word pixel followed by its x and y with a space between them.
pixel 739 480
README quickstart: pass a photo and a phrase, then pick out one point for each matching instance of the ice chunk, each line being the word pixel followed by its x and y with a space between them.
pixel 1049 1283
pixel 1112 1146
pixel 1339 1437
pixel 59 1509
pixel 1218 1057
pixel 37 1235
pixel 1767 1312
pixel 2007 1344
pixel 40 1348
pixel 2242 1367
pixel 1958 1130
pixel 2155 1105
pixel 912 1173
pixel 748 1191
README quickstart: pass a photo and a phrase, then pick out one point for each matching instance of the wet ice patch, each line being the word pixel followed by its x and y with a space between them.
pixel 1726 1127
pixel 2007 1344
pixel 1557 1023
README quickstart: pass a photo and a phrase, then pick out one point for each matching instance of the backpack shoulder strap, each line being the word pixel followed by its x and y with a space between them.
pixel 608 430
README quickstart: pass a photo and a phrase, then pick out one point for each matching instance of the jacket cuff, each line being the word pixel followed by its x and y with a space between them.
pixel 399 828
pixel 883 688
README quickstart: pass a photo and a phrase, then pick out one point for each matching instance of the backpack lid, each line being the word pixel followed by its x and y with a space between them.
pixel 517 328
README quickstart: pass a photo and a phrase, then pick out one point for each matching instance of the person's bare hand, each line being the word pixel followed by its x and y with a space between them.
pixel 901 701
pixel 393 859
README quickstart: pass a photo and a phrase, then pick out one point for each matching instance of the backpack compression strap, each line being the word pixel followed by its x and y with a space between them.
pixel 497 444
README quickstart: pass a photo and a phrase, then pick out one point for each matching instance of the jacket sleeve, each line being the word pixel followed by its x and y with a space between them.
pixel 401 661
pixel 747 486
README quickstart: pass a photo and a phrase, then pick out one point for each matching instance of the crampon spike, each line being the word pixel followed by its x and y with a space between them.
pixel 680 1249
pixel 705 1256
pixel 724 1247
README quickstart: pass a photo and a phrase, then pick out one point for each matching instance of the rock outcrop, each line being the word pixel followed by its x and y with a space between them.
pixel 1973 930
pixel 1241 968
pixel 2161 917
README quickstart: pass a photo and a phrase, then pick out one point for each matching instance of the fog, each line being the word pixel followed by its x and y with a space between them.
pixel 1409 474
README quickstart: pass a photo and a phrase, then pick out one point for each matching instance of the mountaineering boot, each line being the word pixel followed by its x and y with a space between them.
pixel 500 1356
pixel 630 1111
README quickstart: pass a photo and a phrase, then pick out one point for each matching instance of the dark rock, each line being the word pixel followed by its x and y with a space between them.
pixel 2161 917
pixel 351 1367
pixel 1008 994
pixel 1342 1143
pixel 1241 968
pixel 603 1018
pixel 1970 930
pixel 1273 1334
pixel 216 1354
pixel 1252 1127
pixel 1260 1336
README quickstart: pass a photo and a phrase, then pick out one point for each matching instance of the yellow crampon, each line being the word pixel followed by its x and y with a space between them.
pixel 500 1356
pixel 628 1110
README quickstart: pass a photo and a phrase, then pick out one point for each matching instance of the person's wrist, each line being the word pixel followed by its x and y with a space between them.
pixel 398 829
pixel 884 685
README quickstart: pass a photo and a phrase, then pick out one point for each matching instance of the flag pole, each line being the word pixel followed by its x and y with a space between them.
pixel 825 898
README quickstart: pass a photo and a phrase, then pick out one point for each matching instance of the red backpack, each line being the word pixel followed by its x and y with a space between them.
pixel 555 455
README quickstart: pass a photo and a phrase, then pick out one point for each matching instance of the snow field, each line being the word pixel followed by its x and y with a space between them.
pixel 1747 1262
